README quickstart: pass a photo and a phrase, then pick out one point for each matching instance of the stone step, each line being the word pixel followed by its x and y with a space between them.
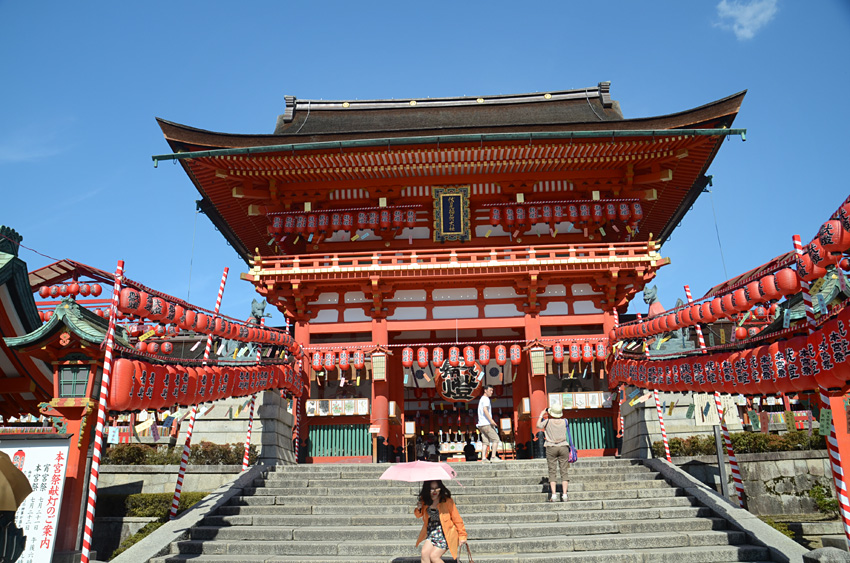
pixel 338 533
pixel 405 548
pixel 286 505
pixel 272 516
pixel 252 495
pixel 584 508
pixel 598 462
pixel 712 554
pixel 338 488
pixel 506 479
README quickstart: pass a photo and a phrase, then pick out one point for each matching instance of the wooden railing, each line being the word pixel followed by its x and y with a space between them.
pixel 461 257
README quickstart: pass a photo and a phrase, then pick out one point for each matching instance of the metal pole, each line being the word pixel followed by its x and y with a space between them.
pixel 721 463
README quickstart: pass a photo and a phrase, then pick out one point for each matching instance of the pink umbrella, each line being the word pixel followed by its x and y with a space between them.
pixel 419 471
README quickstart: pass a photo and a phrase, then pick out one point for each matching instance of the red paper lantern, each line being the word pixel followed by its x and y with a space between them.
pixel 807 270
pixel 516 354
pixel 454 356
pixel 740 333
pixel 495 216
pixel 520 217
pixel 787 282
pixel 73 288
pixel 601 351
pixel 96 290
pixel 546 212
pixel 324 223
pixel 484 355
pixel 407 357
pixel 437 357
pixel 422 357
pixel 411 219
pixel 573 214
pixel 587 352
pixel 753 292
pixel 637 212
pixel 558 213
pixel 575 352
pixel 624 212
pixel 739 300
pixel 509 218
pixel 468 355
pixel 344 363
pixel 317 361
pixel 385 219
pixel 558 353
pixel 373 220
pixel 330 361
pixel 63 290
pixel 597 213
pixel 85 290
pixel 44 291
pixel 820 257
pixel 501 355
pixel 584 212
pixel 359 359
pixel 202 322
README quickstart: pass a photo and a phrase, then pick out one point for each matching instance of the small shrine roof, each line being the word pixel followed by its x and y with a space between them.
pixel 78 320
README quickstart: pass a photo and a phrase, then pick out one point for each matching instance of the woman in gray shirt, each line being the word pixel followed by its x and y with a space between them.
pixel 557 448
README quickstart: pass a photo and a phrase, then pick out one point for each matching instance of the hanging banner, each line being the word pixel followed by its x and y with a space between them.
pixel 44 463
pixel 801 363
pixel 451 214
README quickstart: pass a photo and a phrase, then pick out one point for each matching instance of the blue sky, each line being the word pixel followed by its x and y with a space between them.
pixel 83 82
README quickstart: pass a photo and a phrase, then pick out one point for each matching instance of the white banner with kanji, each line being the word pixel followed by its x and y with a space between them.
pixel 43 462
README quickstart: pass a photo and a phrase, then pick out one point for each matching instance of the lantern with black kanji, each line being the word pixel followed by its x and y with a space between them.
pixel 495 216
pixel 437 356
pixel 586 352
pixel 584 213
pixel 575 352
pixel 317 361
pixel 359 361
pixel 468 355
pixel 407 357
pixel 558 353
pixel 422 357
pixel 398 218
pixel 501 355
pixel 386 219
pixel 572 214
pixel 558 213
pixel 454 356
pixel 516 354
pixel 484 355
pixel 330 360
pixel 347 222
pixel 411 219
pixel 624 212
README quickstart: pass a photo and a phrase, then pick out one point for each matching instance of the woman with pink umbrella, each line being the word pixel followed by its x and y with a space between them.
pixel 442 526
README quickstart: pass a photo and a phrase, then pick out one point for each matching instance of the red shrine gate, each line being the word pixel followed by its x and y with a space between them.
pixel 522 221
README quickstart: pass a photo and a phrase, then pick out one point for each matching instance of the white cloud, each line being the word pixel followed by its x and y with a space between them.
pixel 745 18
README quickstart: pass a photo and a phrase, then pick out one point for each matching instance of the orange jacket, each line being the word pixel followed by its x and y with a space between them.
pixel 453 527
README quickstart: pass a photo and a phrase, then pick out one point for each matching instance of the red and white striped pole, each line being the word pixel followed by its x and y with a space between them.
pixel 251 414
pixel 101 415
pixel 832 440
pixel 661 421
pixel 733 461
pixel 837 472
pixel 697 326
pixel 184 459
pixel 248 436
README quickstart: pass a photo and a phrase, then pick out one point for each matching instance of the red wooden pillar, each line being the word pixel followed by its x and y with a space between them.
pixel 537 385
pixel 380 389
pixel 302 336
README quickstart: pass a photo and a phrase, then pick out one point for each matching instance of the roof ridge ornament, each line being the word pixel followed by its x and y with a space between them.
pixel 10 240
pixel 605 93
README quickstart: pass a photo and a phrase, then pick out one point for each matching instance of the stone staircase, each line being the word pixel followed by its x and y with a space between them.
pixel 618 510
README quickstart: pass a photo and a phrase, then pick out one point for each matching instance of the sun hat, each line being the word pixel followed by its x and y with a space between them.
pixel 556 411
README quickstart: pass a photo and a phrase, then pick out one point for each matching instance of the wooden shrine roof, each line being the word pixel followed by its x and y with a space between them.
pixel 323 152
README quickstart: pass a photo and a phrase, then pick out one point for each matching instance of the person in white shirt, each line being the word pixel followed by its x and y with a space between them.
pixel 487 427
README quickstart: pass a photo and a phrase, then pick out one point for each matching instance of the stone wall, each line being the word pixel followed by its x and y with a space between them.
pixel 774 482
pixel 133 479
pixel 642 427
pixel 271 432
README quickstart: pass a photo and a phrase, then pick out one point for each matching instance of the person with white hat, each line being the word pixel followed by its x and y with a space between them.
pixel 557 448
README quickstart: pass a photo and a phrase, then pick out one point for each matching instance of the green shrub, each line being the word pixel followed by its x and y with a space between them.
pixel 155 505
pixel 147 530
pixel 205 453
pixel 149 505
pixel 824 500
pixel 781 527
pixel 742 443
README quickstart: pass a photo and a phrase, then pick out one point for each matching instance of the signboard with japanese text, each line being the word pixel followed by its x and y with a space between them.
pixel 451 214
pixel 43 462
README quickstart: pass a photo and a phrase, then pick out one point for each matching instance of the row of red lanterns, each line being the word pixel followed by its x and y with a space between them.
pixel 144 305
pixel 828 247
pixel 73 288
pixel 155 348
pixel 345 359
pixel 579 213
pixel 769 288
pixel 326 224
